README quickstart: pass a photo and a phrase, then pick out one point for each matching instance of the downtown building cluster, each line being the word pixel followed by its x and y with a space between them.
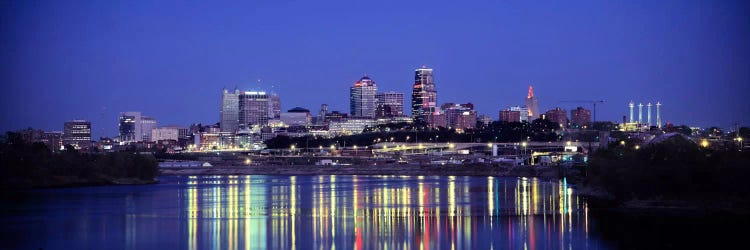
pixel 249 118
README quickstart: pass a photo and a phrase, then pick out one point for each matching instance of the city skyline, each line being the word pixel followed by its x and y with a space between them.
pixel 68 56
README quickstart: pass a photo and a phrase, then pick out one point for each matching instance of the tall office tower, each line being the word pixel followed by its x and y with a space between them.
pixel 658 114
pixel 253 108
pixel 424 94
pixel 532 105
pixel 77 133
pixel 129 126
pixel 558 115
pixel 147 125
pixel 322 114
pixel 580 117
pixel 362 98
pixel 648 114
pixel 230 111
pixel 274 106
pixel 640 113
pixel 389 104
pixel 631 105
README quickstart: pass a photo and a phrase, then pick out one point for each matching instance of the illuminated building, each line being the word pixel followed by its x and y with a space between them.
pixel 335 116
pixel 524 112
pixel 510 116
pixel 580 117
pixel 165 134
pixel 129 127
pixel 274 106
pixel 424 95
pixel 253 107
pixel 77 133
pixel 322 114
pixel 436 119
pixel 230 111
pixel 389 104
pixel 392 120
pixel 148 123
pixel 485 119
pixel 350 126
pixel 532 105
pixel 297 117
pixel 362 98
pixel 558 115
pixel 465 120
pixel 460 116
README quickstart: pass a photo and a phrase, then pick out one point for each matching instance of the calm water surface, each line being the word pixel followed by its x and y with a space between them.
pixel 305 212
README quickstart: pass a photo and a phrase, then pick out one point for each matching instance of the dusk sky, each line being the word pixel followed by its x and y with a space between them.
pixel 63 60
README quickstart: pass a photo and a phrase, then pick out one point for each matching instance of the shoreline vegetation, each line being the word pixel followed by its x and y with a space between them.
pixel 33 165
pixel 672 176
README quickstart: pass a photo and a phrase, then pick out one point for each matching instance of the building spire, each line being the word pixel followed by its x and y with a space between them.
pixel 531 92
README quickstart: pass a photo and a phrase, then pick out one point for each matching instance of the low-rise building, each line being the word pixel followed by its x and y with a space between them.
pixel 350 126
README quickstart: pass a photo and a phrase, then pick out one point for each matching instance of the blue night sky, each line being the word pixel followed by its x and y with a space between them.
pixel 63 60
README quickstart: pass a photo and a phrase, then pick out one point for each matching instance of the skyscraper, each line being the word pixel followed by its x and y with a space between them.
pixel 253 108
pixel 322 114
pixel 389 104
pixel 424 95
pixel 532 105
pixel 362 98
pixel 274 106
pixel 77 133
pixel 230 111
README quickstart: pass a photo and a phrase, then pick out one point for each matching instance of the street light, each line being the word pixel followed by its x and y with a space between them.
pixel 704 143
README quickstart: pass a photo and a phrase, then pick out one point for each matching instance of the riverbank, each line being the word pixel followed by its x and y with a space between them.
pixel 547 173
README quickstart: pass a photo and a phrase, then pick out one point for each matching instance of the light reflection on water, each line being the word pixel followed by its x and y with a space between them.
pixel 321 212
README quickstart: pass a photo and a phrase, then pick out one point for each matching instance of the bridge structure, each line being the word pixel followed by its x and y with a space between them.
pixel 450 147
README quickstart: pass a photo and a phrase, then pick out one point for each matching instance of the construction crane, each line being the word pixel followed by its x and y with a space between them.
pixel 593 102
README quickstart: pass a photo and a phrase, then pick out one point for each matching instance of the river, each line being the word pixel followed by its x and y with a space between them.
pixel 306 212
